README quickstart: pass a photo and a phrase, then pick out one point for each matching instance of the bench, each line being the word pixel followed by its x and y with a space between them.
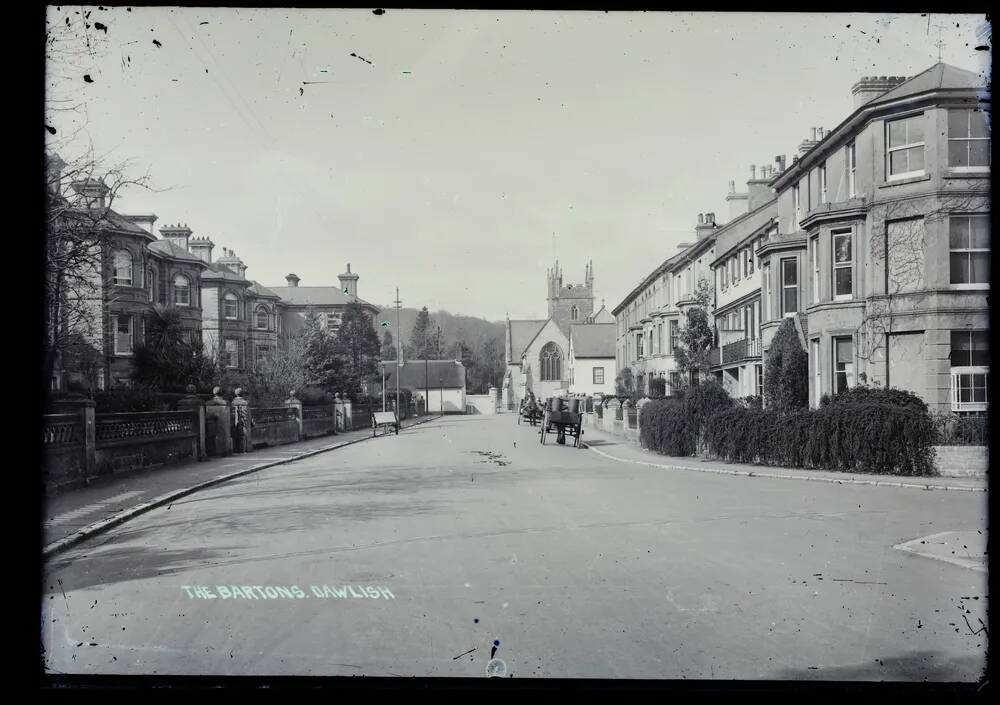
pixel 384 420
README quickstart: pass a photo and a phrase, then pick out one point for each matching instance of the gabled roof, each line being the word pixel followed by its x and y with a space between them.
pixel 521 334
pixel 316 296
pixel 939 75
pixel 449 374
pixel 607 314
pixel 262 291
pixel 111 221
pixel 170 249
pixel 593 339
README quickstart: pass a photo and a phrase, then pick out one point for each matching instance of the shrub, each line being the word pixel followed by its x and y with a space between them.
pixel 872 437
pixel 875 395
pixel 314 396
pixel 666 428
pixel 751 402
pixel 786 373
pixel 122 400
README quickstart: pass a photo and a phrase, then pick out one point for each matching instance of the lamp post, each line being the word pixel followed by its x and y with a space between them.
pixel 441 386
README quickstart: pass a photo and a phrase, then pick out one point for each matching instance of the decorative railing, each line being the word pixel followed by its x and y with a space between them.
pixel 955 430
pixel 741 350
pixel 61 429
pixel 113 428
pixel 273 415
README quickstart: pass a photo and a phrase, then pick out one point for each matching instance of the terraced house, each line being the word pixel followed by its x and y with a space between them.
pixel 882 249
pixel 650 318
pixel 874 241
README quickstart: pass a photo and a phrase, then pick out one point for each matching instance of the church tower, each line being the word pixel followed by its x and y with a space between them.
pixel 570 304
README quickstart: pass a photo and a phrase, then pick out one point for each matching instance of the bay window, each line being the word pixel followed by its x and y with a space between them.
pixel 970 369
pixel 182 291
pixel 123 268
pixel 905 147
pixel 789 287
pixel 843 264
pixel 969 242
pixel 843 364
pixel 968 139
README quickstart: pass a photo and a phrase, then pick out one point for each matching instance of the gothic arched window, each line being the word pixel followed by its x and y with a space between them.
pixel 182 291
pixel 574 313
pixel 551 363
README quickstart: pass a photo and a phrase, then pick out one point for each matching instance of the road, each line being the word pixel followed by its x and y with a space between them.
pixel 465 534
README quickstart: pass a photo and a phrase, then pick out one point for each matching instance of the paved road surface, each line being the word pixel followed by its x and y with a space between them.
pixel 577 565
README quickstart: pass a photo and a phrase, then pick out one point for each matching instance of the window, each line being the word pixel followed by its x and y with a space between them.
pixel 751 328
pixel 231 352
pixel 905 150
pixel 675 381
pixel 638 345
pixel 746 259
pixel 789 287
pixel 230 306
pixel 968 139
pixel 822 182
pixel 814 258
pixel 843 264
pixel 598 375
pixel 760 380
pixel 551 363
pixel 673 335
pixel 970 360
pixel 725 276
pixel 852 167
pixel 750 259
pixel 261 317
pixel 797 204
pixel 151 285
pixel 843 364
pixel 123 268
pixel 263 354
pixel 332 320
pixel 735 263
pixel 765 275
pixel 817 371
pixel 123 334
pixel 182 291
pixel 969 237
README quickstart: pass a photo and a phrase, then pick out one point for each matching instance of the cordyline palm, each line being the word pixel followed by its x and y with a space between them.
pixel 163 359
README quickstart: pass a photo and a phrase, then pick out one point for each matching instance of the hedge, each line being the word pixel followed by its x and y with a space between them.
pixel 849 437
pixel 676 425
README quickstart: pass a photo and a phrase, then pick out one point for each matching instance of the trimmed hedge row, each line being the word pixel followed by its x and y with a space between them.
pixel 883 431
pixel 855 437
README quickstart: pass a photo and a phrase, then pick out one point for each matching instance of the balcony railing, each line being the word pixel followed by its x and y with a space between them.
pixel 735 352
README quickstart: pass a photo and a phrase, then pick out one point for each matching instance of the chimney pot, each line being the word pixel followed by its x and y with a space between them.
pixel 732 187
pixel 753 172
pixel 701 219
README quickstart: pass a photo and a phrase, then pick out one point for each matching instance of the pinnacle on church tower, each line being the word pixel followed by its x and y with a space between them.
pixel 570 304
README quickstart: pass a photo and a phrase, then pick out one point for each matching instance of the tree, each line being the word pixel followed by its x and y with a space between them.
pixel 421 339
pixel 786 372
pixel 357 346
pixel 77 259
pixel 696 338
pixel 321 365
pixel 388 350
pixel 625 383
pixel 271 381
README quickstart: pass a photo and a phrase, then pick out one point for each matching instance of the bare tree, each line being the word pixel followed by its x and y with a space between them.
pixel 78 271
pixel 898 239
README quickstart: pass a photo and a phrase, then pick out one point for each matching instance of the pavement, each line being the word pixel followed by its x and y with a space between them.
pixel 464 547
pixel 616 448
pixel 76 514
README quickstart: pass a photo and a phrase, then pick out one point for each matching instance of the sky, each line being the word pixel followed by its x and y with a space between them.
pixel 457 154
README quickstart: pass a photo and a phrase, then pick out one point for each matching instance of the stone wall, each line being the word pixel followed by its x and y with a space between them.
pixel 963 461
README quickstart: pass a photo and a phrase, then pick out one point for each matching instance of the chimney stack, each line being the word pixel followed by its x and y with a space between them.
pixel 758 192
pixel 233 263
pixel 349 282
pixel 201 247
pixel 292 280
pixel 94 191
pixel 779 162
pixel 143 221
pixel 177 234
pixel 706 224
pixel 737 202
pixel 871 87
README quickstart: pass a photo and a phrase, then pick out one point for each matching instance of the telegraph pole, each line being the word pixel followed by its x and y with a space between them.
pixel 399 351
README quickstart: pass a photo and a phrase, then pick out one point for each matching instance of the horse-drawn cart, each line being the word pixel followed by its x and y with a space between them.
pixel 531 413
pixel 563 418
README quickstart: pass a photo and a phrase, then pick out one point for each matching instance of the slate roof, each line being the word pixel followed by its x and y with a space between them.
pixel 939 75
pixel 593 339
pixel 316 296
pixel 171 249
pixel 521 334
pixel 262 291
pixel 218 271
pixel 110 221
pixel 413 374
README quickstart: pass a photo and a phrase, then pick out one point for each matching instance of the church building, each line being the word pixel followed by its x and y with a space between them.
pixel 537 351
